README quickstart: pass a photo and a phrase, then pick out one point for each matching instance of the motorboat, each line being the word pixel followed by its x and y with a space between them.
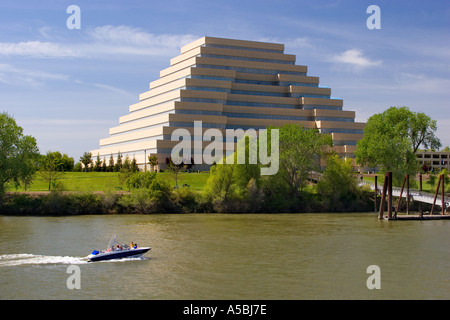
pixel 117 250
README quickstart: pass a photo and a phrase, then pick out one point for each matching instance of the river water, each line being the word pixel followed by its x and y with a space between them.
pixel 226 256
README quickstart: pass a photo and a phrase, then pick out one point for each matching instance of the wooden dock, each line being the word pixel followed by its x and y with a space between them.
pixel 419 217
pixel 393 212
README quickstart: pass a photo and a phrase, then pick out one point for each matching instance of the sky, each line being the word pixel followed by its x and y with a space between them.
pixel 66 86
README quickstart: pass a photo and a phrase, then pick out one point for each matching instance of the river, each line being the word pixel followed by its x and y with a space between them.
pixel 226 256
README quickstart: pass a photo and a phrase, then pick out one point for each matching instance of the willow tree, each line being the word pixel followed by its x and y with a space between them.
pixel 234 184
pixel 392 138
pixel 19 154
pixel 301 150
pixel 300 153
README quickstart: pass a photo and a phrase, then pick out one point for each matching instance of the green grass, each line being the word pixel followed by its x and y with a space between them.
pixel 196 181
pixel 109 181
pixel 426 186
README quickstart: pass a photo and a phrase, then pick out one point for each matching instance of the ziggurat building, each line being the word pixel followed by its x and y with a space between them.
pixel 228 84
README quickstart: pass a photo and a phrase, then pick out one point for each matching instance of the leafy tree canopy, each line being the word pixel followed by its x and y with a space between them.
pixel 392 138
pixel 19 154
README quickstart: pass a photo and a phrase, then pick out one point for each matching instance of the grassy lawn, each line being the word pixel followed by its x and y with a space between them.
pixel 196 181
pixel 426 186
pixel 109 181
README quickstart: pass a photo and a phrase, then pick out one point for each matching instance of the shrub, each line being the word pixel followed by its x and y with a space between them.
pixel 21 204
pixel 154 199
pixel 186 200
pixel 140 180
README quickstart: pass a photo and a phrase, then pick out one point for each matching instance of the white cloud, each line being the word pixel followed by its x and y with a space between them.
pixel 22 77
pixel 130 40
pixel 138 37
pixel 302 42
pixel 104 87
pixel 14 76
pixel 36 49
pixel 99 42
pixel 355 58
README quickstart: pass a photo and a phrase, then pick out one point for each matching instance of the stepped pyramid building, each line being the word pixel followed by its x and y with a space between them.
pixel 228 84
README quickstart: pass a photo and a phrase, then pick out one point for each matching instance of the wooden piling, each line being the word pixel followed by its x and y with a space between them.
pixel 383 198
pixel 401 193
pixel 407 194
pixel 420 203
pixel 436 194
pixel 389 177
pixel 376 192
pixel 443 194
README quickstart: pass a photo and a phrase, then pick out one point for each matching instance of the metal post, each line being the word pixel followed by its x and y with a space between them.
pixel 389 176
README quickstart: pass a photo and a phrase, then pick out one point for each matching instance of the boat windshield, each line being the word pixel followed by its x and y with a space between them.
pixel 113 243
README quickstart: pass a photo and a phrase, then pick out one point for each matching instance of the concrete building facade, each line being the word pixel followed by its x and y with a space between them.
pixel 228 84
pixel 434 160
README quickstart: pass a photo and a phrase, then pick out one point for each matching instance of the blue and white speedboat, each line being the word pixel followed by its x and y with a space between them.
pixel 116 250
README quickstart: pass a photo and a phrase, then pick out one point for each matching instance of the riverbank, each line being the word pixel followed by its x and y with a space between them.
pixel 182 200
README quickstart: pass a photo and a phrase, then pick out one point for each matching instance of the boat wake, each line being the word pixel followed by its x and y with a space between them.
pixel 8 260
pixel 32 259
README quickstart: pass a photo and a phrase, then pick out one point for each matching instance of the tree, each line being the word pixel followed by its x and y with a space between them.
pixel 391 139
pixel 86 160
pixel 127 163
pixel 220 188
pixel 128 169
pixel 338 186
pixel 233 186
pixel 421 130
pixel 153 161
pixel 50 168
pixel 445 173
pixel 174 168
pixel 18 154
pixel 432 180
pixel 140 180
pixel 119 163
pixel 300 152
pixel 104 167
pixel 66 162
pixel 134 166
pixel 111 164
pixel 98 164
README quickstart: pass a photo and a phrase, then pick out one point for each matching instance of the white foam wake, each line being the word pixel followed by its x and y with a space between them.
pixel 32 259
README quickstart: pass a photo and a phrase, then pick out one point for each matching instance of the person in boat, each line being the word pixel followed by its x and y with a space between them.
pixel 132 245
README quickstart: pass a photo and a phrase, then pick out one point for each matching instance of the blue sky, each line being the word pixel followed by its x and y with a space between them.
pixel 68 87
